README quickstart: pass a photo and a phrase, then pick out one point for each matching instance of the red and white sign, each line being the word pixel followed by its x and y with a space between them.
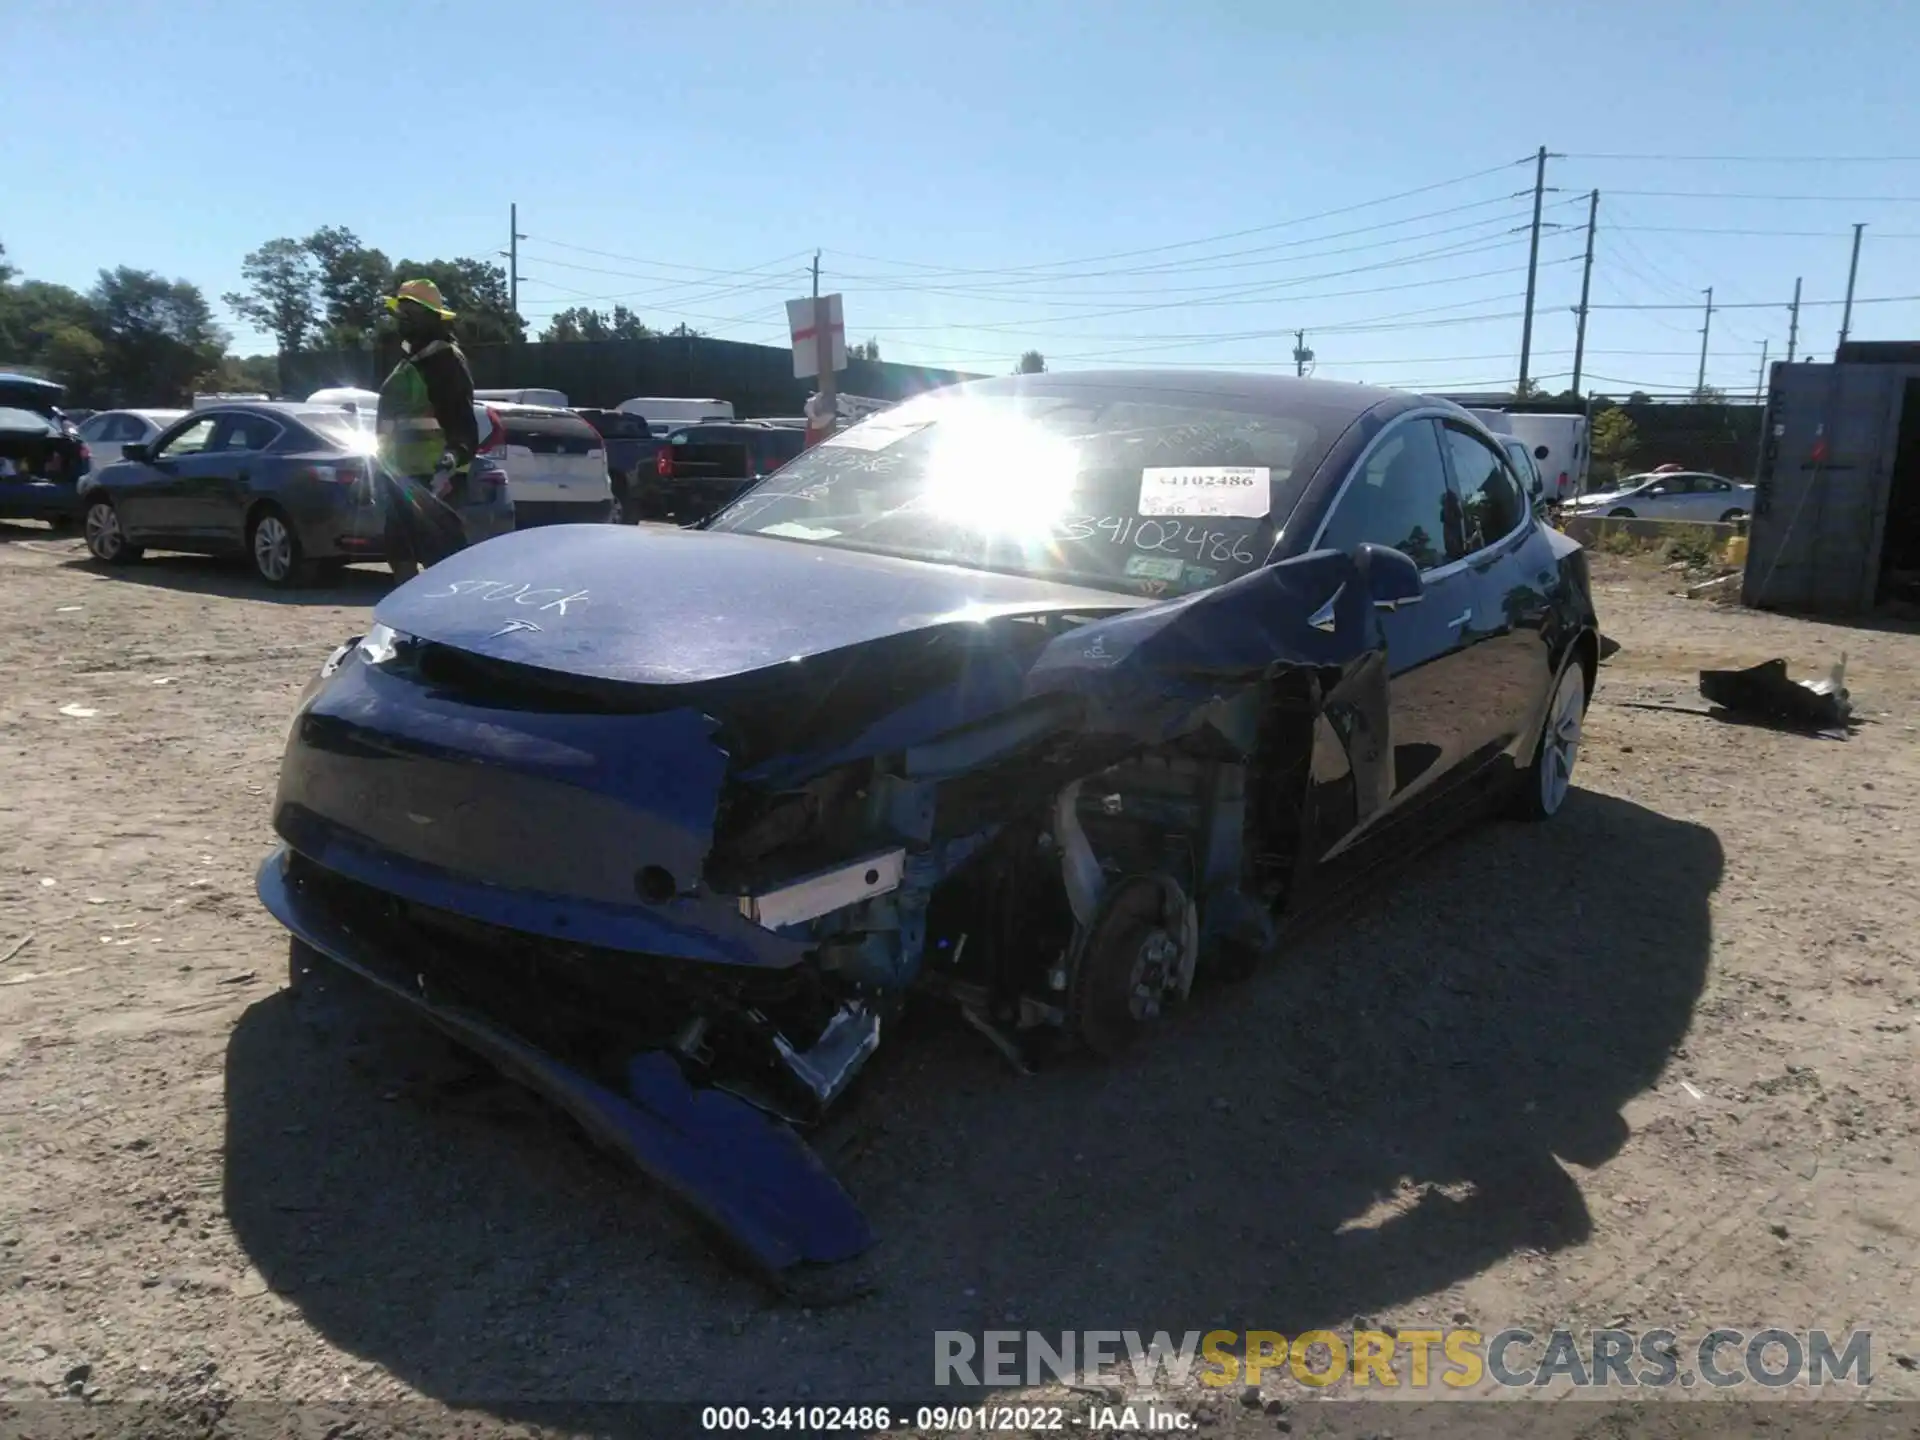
pixel 804 324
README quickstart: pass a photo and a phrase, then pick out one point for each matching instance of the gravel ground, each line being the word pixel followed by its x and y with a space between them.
pixel 1652 1064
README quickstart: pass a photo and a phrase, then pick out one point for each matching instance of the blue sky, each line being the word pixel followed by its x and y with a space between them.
pixel 990 176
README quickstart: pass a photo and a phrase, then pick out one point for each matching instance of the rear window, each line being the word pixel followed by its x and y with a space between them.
pixel 554 423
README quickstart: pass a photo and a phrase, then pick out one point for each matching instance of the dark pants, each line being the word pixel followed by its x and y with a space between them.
pixel 421 527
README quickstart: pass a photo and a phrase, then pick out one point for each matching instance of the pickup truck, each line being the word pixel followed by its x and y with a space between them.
pixel 702 468
pixel 631 448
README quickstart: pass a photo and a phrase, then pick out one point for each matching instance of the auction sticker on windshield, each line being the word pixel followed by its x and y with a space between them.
pixel 1239 490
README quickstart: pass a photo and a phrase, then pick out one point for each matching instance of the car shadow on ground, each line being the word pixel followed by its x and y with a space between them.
pixel 1371 1119
pixel 212 575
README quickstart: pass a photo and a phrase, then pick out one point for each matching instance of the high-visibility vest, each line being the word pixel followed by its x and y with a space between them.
pixel 410 438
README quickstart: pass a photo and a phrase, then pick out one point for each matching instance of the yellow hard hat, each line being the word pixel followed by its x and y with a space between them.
pixel 421 292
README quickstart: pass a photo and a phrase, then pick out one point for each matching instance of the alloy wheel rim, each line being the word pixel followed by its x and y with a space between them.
pixel 272 549
pixel 103 531
pixel 1562 740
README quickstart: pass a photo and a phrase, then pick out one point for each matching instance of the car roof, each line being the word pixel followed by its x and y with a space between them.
pixel 33 382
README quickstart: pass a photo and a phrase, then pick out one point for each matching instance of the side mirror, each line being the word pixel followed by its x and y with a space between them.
pixel 1391 578
pixel 136 452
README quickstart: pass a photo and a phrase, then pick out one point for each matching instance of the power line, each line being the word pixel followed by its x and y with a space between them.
pixel 1241 287
pixel 1018 325
pixel 1763 159
pixel 1203 263
pixel 917 284
pixel 1773 304
pixel 1791 234
pixel 1806 199
pixel 1208 239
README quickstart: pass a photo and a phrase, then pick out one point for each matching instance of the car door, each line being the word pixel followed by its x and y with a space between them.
pixel 221 486
pixel 1504 660
pixel 1398 495
pixel 151 495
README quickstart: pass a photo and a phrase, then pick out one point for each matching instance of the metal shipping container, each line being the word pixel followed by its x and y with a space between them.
pixel 1836 515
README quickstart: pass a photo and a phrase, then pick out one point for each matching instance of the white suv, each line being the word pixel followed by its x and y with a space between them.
pixel 556 466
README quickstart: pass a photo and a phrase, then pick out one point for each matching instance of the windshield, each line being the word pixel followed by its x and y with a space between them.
pixel 1151 498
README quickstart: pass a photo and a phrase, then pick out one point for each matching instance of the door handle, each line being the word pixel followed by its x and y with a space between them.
pixel 1461 619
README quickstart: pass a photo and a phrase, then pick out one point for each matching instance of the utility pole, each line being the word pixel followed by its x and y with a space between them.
pixel 1302 356
pixel 1586 280
pixel 514 237
pixel 1793 322
pixel 1760 381
pixel 1853 270
pixel 1700 385
pixel 1533 269
pixel 822 342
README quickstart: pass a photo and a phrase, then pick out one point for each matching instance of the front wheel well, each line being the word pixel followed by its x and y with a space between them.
pixel 1586 650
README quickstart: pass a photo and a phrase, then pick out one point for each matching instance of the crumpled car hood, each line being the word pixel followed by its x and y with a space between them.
pixel 668 607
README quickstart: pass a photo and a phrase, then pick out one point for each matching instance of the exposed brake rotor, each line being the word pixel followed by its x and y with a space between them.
pixel 1135 959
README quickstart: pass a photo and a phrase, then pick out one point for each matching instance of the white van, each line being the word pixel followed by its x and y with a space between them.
pixel 551 399
pixel 664 413
pixel 1559 446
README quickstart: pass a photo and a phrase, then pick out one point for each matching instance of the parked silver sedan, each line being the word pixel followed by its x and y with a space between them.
pixel 109 430
pixel 1673 495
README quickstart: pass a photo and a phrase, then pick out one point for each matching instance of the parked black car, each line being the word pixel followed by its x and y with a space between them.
pixel 42 456
pixel 702 468
pixel 631 448
pixel 1045 695
pixel 289 486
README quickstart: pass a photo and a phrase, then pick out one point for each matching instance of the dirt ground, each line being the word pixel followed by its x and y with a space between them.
pixel 1696 988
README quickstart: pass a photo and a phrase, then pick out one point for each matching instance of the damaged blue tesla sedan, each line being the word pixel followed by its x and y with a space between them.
pixel 1046 694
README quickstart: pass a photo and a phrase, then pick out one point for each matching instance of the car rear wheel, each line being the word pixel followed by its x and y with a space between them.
pixel 106 541
pixel 1733 516
pixel 275 550
pixel 1621 514
pixel 1550 776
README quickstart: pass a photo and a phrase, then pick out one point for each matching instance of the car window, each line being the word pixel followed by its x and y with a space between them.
pixel 95 430
pixel 1490 503
pixel 1716 487
pixel 127 429
pixel 190 439
pixel 1399 498
pixel 244 432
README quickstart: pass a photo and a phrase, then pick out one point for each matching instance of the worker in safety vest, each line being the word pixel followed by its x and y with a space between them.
pixel 426 431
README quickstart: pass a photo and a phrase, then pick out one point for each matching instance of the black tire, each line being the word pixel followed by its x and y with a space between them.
pixel 273 549
pixel 105 540
pixel 1733 517
pixel 1545 784
pixel 1621 514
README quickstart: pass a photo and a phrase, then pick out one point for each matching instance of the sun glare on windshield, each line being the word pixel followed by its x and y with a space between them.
pixel 998 474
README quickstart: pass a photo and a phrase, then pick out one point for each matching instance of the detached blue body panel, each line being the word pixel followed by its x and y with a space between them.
pixel 745 1173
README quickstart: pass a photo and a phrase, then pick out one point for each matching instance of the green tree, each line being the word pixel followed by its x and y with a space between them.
pixel 7 272
pixel 869 351
pixel 248 374
pixel 566 327
pixel 1614 439
pixel 349 279
pixel 1031 363
pixel 157 336
pixel 279 295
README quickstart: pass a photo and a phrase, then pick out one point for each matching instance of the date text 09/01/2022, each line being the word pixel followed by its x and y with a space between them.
pixel 938 1419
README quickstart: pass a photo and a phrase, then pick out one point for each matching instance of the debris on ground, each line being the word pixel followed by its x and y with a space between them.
pixel 17 946
pixel 1767 692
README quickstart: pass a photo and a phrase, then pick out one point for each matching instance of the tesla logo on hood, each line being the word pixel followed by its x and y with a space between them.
pixel 513 627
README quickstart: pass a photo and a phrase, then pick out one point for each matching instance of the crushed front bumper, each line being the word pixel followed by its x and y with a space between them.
pixel 748 1175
